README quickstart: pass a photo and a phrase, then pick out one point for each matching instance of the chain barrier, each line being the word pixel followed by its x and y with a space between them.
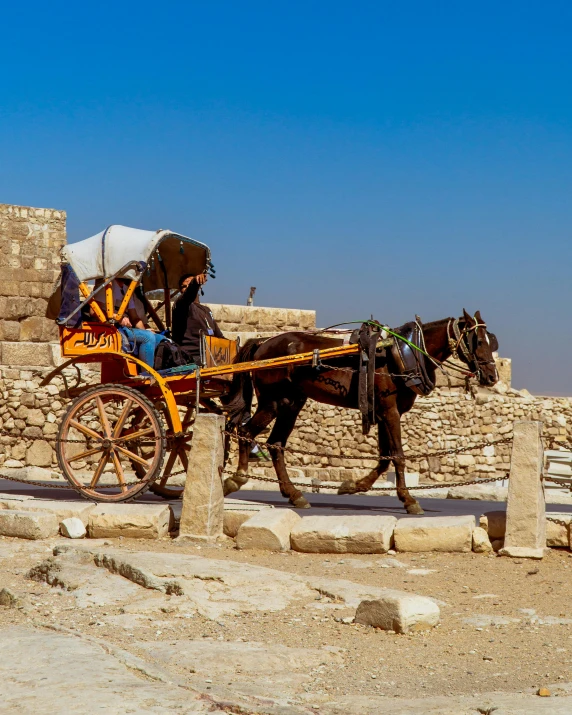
pixel 556 520
pixel 423 455
pixel 439 485
pixel 566 445
pixel 237 438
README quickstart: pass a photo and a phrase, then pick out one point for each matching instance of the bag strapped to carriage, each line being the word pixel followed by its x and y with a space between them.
pixel 409 356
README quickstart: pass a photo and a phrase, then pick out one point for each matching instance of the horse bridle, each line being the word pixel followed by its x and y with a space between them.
pixel 459 341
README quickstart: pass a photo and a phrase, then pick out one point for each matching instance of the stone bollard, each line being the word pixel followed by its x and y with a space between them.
pixel 525 535
pixel 203 499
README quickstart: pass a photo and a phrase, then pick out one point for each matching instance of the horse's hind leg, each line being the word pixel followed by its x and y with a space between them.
pixel 263 416
pixel 366 483
pixel 287 414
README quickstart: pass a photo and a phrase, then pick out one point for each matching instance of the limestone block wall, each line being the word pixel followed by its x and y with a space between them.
pixel 447 419
pixel 30 244
pixel 30 415
pixel 255 322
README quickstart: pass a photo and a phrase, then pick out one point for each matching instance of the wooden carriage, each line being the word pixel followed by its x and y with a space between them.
pixel 132 432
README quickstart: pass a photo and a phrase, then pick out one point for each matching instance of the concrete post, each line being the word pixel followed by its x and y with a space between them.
pixel 203 499
pixel 525 510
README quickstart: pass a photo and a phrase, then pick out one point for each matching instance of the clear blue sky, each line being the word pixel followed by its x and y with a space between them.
pixel 357 158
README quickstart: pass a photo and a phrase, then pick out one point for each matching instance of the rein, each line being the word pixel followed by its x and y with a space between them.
pixel 442 365
pixel 457 337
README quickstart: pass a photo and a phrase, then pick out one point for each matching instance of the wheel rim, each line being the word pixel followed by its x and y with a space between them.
pixel 177 463
pixel 104 433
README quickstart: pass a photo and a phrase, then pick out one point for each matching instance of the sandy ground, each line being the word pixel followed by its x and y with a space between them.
pixel 506 624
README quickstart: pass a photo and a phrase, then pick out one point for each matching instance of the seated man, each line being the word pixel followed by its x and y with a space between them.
pixel 190 317
pixel 138 336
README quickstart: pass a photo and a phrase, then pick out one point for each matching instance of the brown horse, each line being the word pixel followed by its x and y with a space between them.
pixel 282 393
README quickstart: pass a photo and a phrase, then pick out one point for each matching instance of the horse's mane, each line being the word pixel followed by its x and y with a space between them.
pixel 437 323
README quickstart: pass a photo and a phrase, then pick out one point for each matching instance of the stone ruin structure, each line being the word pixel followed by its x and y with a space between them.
pixel 31 239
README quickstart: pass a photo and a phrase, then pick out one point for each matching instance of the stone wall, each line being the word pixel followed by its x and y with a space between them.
pixel 30 244
pixel 260 322
pixel 30 415
pixel 448 419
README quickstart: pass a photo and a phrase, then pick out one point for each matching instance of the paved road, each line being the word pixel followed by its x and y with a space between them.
pixel 321 503
pixel 369 504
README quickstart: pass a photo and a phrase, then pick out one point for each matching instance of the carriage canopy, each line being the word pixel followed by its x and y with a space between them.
pixel 166 255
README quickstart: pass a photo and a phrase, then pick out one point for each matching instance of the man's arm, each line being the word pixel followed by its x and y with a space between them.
pixel 134 319
pixel 188 297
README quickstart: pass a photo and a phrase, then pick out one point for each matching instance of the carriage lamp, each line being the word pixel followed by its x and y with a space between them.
pixel 181 247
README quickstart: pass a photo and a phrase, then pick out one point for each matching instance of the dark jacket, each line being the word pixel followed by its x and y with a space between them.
pixel 189 318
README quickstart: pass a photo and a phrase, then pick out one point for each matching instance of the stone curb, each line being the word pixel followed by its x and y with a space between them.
pixel 343 534
pixel 29 518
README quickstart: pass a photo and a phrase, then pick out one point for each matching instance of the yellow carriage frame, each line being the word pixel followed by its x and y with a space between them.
pixel 126 413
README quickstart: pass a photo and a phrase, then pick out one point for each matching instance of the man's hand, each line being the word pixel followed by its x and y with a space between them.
pixel 125 322
pixel 201 279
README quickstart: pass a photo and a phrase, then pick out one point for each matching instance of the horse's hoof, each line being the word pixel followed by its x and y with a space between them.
pixel 414 509
pixel 347 487
pixel 301 503
pixel 229 486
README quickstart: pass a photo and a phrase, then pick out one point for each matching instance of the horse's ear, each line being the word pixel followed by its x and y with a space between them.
pixel 478 317
pixel 466 316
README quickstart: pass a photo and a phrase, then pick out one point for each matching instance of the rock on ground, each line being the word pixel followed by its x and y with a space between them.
pixel 435 533
pixel 61 509
pixel 73 528
pixel 237 511
pixel 269 529
pixel 27 524
pixel 343 534
pixel 481 542
pixel 135 521
pixel 398 611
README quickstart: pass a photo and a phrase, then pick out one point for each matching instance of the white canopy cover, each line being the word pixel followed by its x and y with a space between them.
pixel 167 256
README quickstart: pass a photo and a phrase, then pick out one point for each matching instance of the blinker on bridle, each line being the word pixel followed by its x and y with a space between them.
pixel 461 342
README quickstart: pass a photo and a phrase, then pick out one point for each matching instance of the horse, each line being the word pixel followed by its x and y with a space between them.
pixel 282 393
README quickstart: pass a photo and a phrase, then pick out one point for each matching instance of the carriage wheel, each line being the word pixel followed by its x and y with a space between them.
pixel 178 461
pixel 103 434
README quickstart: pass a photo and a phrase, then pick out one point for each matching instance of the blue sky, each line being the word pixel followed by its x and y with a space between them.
pixel 356 158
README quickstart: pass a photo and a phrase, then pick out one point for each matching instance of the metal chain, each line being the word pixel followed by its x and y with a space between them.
pixel 557 521
pixel 139 441
pixel 424 455
pixel 440 485
pixel 554 443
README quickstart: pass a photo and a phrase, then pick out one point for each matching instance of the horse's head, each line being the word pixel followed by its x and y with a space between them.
pixel 475 347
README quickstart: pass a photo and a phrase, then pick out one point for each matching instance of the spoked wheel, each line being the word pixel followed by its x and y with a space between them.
pixel 177 461
pixel 104 433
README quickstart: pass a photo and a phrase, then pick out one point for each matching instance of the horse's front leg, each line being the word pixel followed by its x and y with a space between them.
pixel 366 483
pixel 247 433
pixel 393 426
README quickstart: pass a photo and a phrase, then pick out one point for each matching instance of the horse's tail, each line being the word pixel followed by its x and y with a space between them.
pixel 238 402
